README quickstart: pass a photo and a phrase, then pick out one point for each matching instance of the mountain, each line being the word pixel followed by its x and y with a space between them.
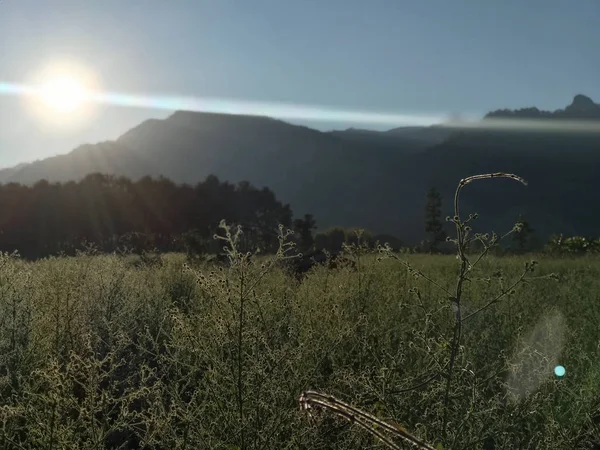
pixel 582 107
pixel 370 179
pixel 405 139
pixel 8 172
pixel 562 168
pixel 307 168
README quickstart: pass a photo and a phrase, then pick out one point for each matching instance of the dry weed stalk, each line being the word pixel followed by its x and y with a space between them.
pixel 462 233
pixel 365 420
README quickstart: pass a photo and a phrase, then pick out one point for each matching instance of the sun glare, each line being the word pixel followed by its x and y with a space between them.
pixel 63 94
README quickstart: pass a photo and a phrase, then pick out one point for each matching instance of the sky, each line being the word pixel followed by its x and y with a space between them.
pixel 428 58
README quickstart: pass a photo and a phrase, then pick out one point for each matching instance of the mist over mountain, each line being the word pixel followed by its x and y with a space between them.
pixel 365 178
pixel 582 107
pixel 405 139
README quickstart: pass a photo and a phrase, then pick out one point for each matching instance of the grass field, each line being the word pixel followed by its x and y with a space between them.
pixel 107 352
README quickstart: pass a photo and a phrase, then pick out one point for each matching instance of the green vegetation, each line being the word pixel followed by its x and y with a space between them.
pixel 168 350
pixel 105 351
pixel 572 245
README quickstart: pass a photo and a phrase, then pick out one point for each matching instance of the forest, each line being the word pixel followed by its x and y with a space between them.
pixel 110 213
pixel 113 213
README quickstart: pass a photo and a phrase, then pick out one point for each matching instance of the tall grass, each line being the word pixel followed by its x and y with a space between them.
pixel 107 351
pixel 467 265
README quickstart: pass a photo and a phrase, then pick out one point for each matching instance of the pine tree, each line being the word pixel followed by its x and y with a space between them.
pixel 304 227
pixel 522 234
pixel 433 220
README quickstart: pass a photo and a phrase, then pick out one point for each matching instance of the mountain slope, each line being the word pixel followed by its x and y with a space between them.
pixel 562 169
pixel 341 182
pixel 105 157
pixel 404 139
pixel 375 180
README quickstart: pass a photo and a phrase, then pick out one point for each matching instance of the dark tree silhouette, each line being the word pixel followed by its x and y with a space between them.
pixel 433 220
pixel 522 234
pixel 331 240
pixel 304 228
pixel 115 212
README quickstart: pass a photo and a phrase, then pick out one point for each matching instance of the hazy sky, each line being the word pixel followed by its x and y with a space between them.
pixel 410 57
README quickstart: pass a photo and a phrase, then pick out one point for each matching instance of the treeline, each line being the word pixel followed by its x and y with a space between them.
pixel 521 239
pixel 334 238
pixel 116 213
pixel 111 213
pixel 577 245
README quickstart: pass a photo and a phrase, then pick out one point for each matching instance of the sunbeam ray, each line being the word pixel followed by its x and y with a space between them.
pixel 308 112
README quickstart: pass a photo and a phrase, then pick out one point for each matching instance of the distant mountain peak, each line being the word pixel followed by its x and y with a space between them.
pixel 582 100
pixel 582 107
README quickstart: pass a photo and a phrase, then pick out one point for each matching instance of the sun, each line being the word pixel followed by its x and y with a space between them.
pixel 63 93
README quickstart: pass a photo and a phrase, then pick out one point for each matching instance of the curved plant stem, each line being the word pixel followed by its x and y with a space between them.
pixel 465 267
pixel 365 420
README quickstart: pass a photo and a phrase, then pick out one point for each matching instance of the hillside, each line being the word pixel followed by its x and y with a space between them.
pixel 309 169
pixel 363 178
pixel 408 140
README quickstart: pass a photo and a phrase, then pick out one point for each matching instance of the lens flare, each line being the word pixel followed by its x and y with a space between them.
pixel 63 94
pixel 68 95
pixel 536 356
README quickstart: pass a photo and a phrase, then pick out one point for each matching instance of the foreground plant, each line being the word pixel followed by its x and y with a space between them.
pixel 239 282
pixel 467 263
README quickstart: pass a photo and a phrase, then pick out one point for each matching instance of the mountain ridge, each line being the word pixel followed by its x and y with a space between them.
pixel 356 177
pixel 582 107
